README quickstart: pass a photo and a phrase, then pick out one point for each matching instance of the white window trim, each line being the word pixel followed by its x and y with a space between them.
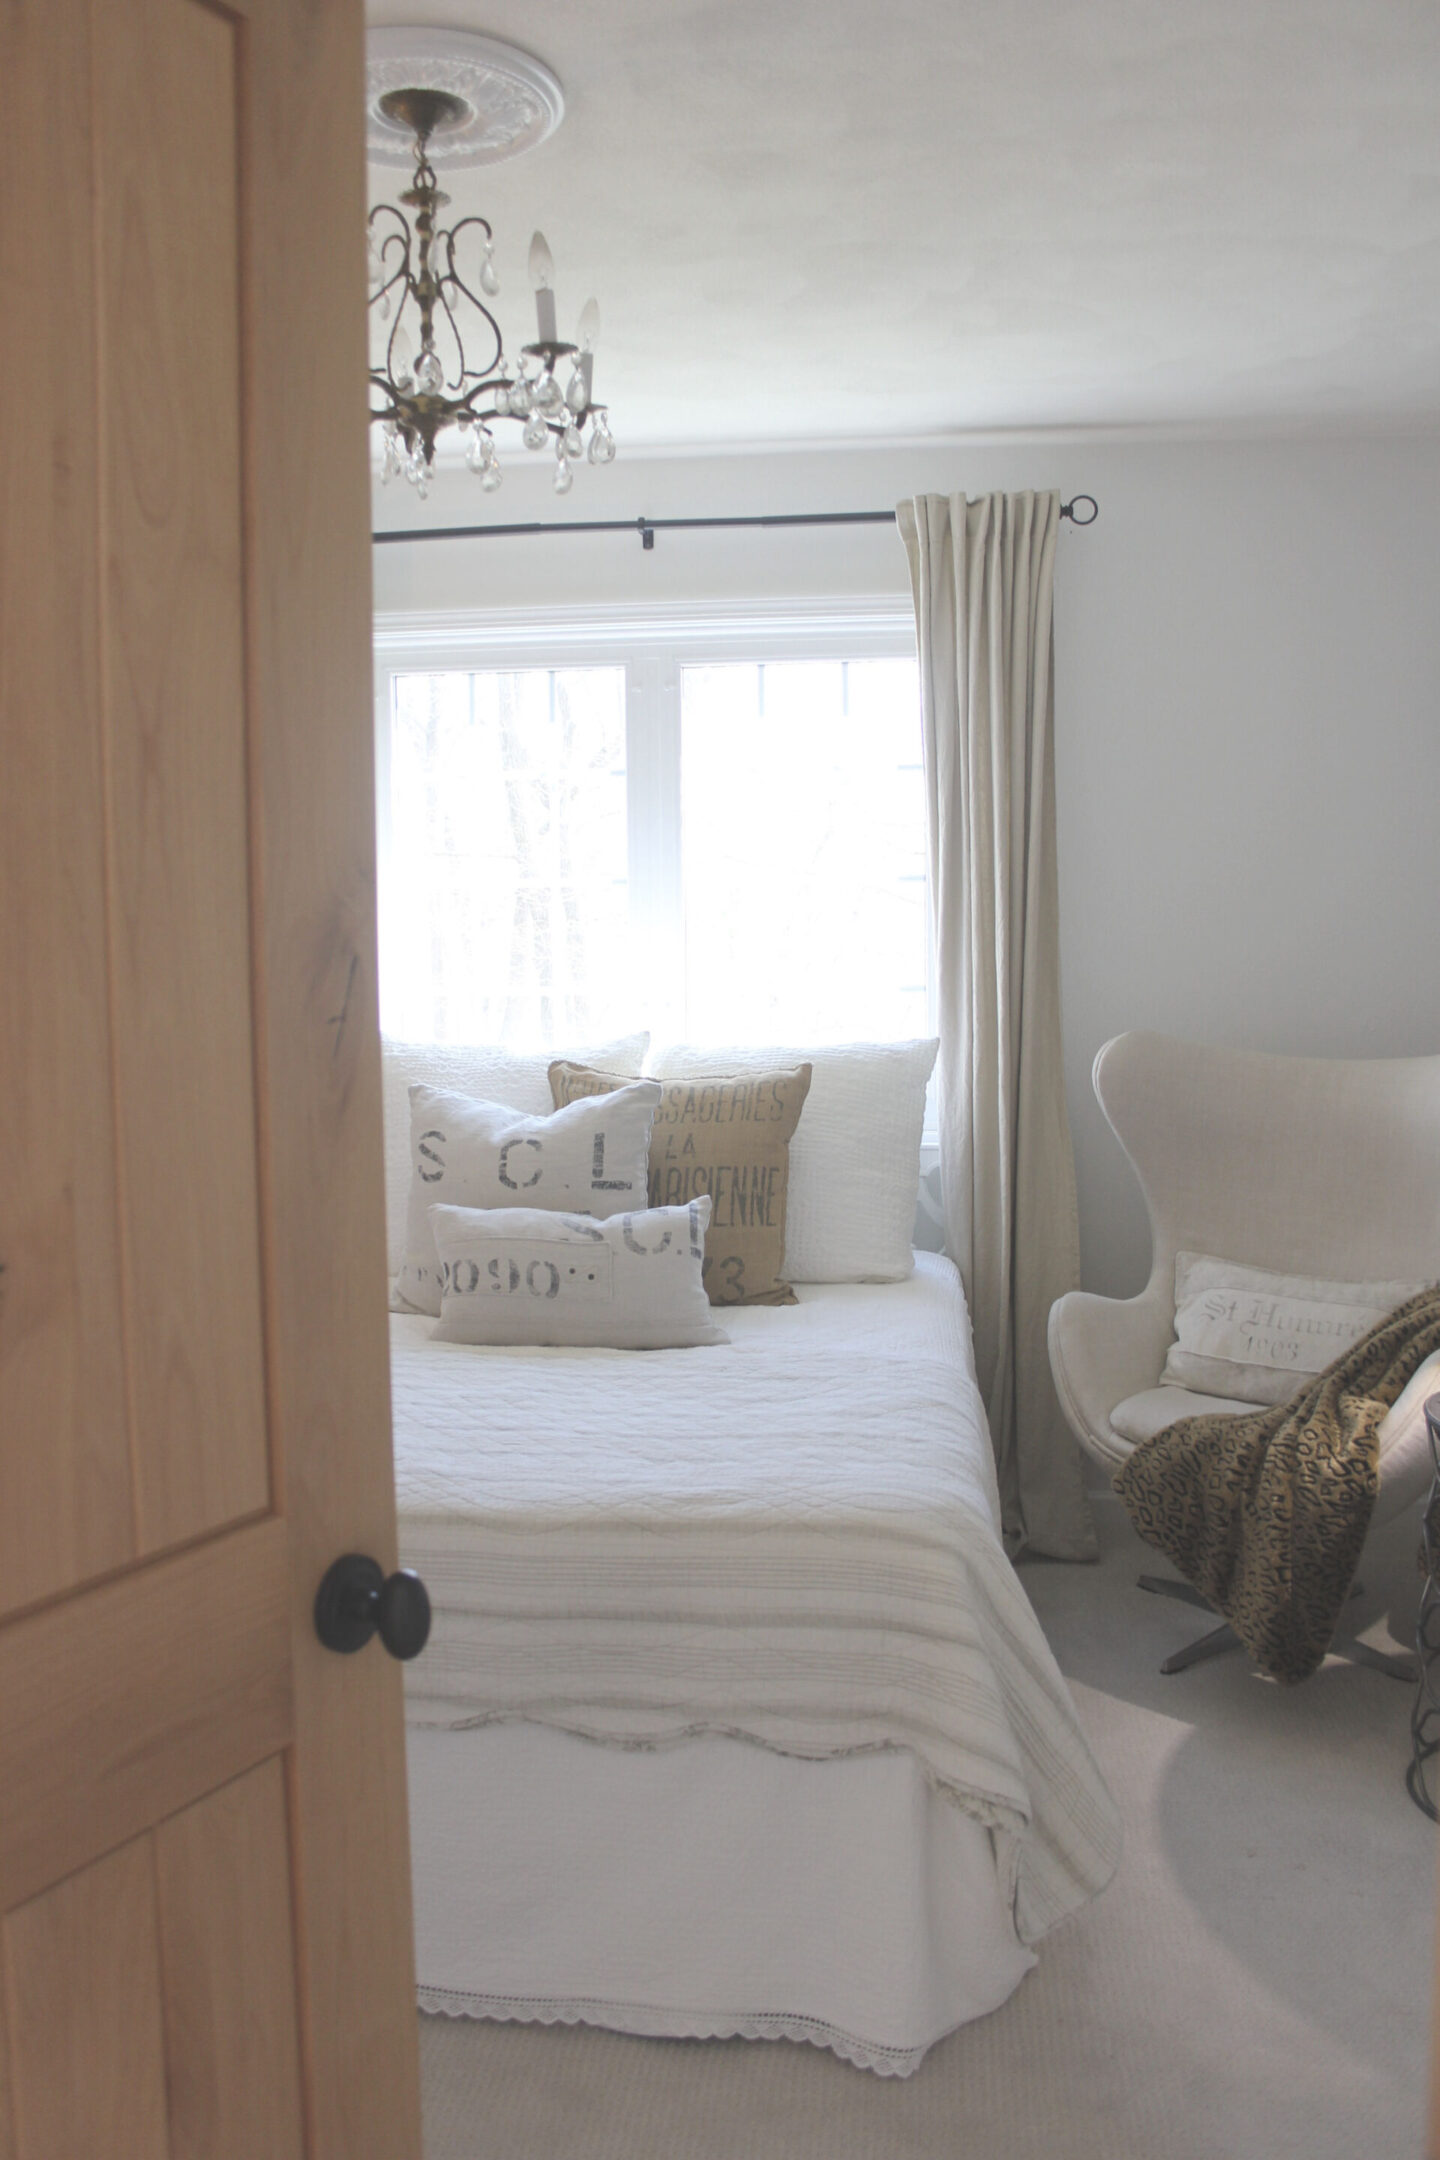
pixel 867 624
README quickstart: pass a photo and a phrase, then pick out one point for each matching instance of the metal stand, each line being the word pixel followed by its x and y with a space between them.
pixel 1214 1644
pixel 1396 1664
pixel 1223 1638
pixel 1425 1713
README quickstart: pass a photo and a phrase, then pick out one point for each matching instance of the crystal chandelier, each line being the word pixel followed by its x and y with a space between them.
pixel 443 363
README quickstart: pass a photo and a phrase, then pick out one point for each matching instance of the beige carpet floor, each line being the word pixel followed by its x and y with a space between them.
pixel 1254 1985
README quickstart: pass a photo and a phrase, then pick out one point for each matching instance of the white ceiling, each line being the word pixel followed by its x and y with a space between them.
pixel 821 220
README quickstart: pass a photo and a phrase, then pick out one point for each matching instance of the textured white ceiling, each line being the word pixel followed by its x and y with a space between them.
pixel 822 219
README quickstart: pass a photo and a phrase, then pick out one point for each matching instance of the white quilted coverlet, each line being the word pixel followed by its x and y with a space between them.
pixel 790 1538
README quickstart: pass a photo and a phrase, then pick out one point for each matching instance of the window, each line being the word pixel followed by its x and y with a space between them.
pixel 802 847
pixel 506 910
pixel 713 829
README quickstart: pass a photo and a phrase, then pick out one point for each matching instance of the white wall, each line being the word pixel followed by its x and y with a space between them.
pixel 1247 713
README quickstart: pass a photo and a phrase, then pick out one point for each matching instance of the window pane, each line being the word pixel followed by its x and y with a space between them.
pixel 804 851
pixel 506 913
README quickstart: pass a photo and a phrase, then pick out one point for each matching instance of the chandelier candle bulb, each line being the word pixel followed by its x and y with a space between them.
pixel 542 276
pixel 587 337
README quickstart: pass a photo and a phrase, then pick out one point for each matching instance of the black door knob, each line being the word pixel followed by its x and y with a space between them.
pixel 357 1599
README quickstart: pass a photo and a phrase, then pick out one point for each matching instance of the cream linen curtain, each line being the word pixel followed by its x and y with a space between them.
pixel 983 579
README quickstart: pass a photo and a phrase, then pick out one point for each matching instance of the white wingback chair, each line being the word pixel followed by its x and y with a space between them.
pixel 1328 1167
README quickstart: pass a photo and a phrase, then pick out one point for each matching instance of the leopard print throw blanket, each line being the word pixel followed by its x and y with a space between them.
pixel 1266 1513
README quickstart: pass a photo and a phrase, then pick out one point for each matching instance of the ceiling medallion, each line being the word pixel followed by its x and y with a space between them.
pixel 449 97
pixel 511 101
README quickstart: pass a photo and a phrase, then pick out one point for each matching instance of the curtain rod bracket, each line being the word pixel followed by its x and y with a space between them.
pixel 647 533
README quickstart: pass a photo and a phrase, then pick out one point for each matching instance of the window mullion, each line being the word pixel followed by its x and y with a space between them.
pixel 652 733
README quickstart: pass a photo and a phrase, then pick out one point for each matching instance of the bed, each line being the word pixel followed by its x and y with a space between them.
pixel 735 1718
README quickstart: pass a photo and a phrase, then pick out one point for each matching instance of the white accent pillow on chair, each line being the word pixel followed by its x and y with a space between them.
pixel 592 1158
pixel 1244 1332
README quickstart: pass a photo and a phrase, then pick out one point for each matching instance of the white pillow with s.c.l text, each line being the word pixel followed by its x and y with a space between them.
pixel 525 1276
pixel 490 1074
pixel 592 1158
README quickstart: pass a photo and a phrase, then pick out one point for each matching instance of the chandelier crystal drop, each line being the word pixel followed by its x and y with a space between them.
pixel 443 363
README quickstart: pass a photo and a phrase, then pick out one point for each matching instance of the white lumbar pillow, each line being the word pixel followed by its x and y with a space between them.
pixel 485 1071
pixel 592 1158
pixel 522 1275
pixel 855 1154
pixel 1256 1337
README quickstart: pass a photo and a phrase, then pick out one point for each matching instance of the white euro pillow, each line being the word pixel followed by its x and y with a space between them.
pixel 855 1154
pixel 525 1276
pixel 1258 1337
pixel 591 1158
pixel 485 1071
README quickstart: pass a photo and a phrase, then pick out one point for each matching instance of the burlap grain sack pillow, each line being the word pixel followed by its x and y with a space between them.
pixel 729 1137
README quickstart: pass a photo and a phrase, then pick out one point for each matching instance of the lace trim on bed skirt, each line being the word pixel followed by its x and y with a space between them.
pixel 647 2023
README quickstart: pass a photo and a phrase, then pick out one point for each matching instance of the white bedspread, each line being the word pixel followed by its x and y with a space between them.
pixel 790 1538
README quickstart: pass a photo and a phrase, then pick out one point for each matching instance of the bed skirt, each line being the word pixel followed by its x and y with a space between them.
pixel 710 1889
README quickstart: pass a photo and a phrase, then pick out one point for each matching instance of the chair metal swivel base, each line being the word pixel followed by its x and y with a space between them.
pixel 1223 1638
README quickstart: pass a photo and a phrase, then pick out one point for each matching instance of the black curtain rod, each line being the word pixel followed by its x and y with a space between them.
pixel 648 527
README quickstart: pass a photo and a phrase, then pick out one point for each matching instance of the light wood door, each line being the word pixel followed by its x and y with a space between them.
pixel 204 1900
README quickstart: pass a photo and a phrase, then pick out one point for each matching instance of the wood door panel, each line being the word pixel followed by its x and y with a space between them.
pixel 82 1971
pixel 204 1890
pixel 64 1451
pixel 228 1958
pixel 131 1700
pixel 168 250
